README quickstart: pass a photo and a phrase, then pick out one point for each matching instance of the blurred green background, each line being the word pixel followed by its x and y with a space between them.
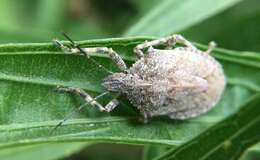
pixel 235 28
pixel 41 20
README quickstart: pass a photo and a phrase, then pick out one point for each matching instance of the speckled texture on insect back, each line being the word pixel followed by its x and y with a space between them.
pixel 181 83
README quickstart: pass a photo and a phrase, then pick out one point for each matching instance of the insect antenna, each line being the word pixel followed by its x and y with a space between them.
pixel 74 111
pixel 85 53
pixel 68 116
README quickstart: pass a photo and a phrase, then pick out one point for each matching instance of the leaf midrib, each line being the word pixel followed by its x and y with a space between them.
pixel 120 140
pixel 18 126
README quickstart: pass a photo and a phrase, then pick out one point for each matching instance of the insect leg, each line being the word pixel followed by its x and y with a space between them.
pixel 212 45
pixel 92 101
pixel 168 41
pixel 86 51
pixel 176 38
pixel 116 58
pixel 138 49
pixel 111 105
pixel 145 117
pixel 84 95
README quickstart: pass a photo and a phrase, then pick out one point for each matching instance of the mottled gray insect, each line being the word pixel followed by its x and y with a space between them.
pixel 180 82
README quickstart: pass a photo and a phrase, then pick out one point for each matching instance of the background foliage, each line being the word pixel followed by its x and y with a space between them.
pixel 31 67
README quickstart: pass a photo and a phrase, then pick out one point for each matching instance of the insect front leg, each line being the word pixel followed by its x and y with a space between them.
pixel 116 58
pixel 167 41
pixel 111 105
pixel 90 100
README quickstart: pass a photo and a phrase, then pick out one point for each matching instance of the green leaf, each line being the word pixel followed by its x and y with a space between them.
pixel 30 108
pixel 152 151
pixel 145 6
pixel 225 140
pixel 171 16
pixel 251 153
pixel 45 11
pixel 41 151
pixel 238 30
